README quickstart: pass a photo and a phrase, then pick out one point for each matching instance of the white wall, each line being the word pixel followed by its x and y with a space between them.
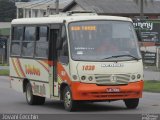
pixel 5 24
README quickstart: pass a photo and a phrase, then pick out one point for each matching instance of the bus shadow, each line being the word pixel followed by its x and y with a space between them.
pixel 54 105
pixel 86 106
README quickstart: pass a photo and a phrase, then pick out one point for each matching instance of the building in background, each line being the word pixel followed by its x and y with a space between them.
pixel 4 36
pixel 127 8
pixel 39 8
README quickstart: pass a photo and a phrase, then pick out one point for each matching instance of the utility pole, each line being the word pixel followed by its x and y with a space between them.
pixel 141 9
pixel 17 12
pixel 57 6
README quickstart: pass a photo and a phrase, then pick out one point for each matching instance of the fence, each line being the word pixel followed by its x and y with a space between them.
pixel 151 56
pixel 3 51
pixel 158 58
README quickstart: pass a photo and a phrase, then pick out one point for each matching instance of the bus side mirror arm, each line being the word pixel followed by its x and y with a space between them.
pixel 139 35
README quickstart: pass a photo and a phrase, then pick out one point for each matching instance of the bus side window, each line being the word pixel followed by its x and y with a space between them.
pixel 28 42
pixel 63 53
pixel 17 36
pixel 42 42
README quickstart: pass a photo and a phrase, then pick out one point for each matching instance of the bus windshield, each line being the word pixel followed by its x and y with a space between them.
pixel 103 41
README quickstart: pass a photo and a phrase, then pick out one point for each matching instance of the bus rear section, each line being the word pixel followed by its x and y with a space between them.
pixel 89 58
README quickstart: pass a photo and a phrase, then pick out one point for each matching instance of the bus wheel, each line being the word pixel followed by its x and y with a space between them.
pixel 131 103
pixel 33 99
pixel 69 104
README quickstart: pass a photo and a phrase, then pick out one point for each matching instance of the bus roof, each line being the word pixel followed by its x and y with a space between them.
pixel 60 18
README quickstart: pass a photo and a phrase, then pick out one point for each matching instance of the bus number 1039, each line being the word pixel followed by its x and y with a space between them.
pixel 88 67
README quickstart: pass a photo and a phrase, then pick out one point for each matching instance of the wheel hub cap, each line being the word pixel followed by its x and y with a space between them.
pixel 67 99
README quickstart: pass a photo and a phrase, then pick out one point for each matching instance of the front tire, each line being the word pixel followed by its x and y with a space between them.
pixel 33 99
pixel 131 103
pixel 69 103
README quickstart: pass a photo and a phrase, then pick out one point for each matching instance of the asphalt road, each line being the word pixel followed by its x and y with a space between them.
pixel 14 102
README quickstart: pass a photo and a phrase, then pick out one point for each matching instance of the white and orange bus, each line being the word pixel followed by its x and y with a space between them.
pixel 76 57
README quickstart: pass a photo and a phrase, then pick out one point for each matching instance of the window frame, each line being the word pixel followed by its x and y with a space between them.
pixel 25 41
pixel 14 41
pixel 49 26
pixel 48 39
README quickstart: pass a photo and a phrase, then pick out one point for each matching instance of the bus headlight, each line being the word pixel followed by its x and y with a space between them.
pixel 138 76
pixel 133 77
pixel 90 78
pixel 83 77
pixel 87 79
pixel 74 77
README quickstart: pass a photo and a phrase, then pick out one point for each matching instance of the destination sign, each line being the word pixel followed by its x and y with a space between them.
pixel 84 28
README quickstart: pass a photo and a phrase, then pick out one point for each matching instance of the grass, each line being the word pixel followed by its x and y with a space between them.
pixel 5 64
pixel 4 72
pixel 152 86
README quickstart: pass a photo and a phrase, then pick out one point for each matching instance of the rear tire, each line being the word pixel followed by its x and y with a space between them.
pixel 69 103
pixel 33 99
pixel 131 103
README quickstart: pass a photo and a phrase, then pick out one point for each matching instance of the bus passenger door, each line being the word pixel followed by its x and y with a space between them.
pixel 62 56
pixel 54 37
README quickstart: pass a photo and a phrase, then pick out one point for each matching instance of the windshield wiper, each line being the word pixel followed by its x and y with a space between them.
pixel 116 56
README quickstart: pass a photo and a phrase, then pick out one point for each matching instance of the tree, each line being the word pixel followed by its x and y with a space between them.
pixel 141 3
pixel 25 0
pixel 21 0
pixel 7 10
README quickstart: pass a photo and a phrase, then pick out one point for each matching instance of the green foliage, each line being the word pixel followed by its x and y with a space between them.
pixel 5 64
pixel 152 86
pixel 4 32
pixel 4 72
pixel 7 10
pixel 22 0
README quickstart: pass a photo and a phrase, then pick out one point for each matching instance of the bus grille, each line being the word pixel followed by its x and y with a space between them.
pixel 112 79
pixel 115 95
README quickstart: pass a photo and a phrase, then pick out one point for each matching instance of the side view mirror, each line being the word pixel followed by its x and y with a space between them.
pixel 139 35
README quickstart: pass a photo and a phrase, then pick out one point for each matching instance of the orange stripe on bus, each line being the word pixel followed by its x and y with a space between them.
pixel 20 67
pixel 15 67
pixel 61 69
pixel 48 62
pixel 45 67
pixel 51 63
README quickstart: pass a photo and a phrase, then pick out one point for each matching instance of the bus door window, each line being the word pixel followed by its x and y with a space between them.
pixel 63 52
pixel 54 36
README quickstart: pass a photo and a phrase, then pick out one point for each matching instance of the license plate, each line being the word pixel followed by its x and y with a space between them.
pixel 113 90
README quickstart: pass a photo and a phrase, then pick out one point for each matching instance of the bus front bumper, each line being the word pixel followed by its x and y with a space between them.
pixel 89 92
